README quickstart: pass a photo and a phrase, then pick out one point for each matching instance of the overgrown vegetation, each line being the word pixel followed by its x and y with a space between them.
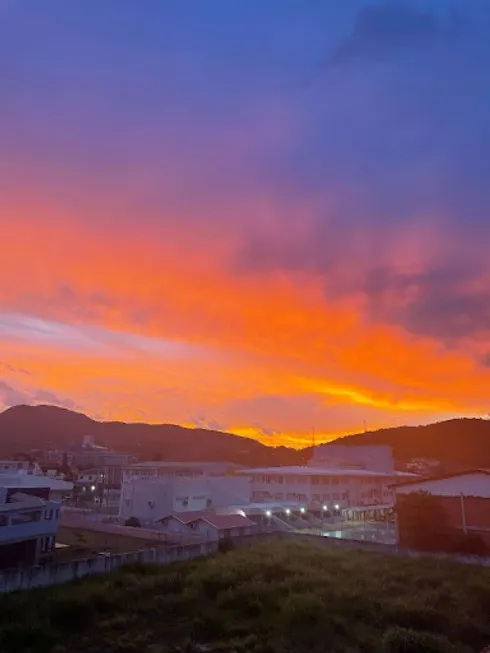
pixel 423 525
pixel 273 597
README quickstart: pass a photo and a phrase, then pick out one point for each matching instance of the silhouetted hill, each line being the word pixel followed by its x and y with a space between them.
pixel 456 443
pixel 28 427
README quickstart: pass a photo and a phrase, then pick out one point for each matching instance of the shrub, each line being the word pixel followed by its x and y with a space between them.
pixel 405 640
pixel 134 522
pixel 470 544
pixel 225 545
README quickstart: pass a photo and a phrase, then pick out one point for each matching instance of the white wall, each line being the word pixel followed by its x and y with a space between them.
pixel 227 491
pixel 181 495
pixel 150 500
pixel 470 485
pixel 332 490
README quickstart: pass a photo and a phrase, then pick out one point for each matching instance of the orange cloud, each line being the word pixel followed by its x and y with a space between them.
pixel 138 299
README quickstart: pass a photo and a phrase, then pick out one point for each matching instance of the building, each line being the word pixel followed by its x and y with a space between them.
pixel 376 458
pixel 89 455
pixel 29 518
pixel 210 525
pixel 338 477
pixel 148 499
pixel 29 484
pixel 19 466
pixel 464 499
pixel 157 469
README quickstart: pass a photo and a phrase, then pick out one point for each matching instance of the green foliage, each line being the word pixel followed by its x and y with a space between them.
pixel 405 640
pixel 133 521
pixel 225 545
pixel 422 523
pixel 270 598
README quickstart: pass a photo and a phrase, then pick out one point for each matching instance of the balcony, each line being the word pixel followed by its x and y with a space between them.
pixel 23 524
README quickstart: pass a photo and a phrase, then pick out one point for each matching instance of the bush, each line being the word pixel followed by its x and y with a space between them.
pixel 134 522
pixel 405 640
pixel 225 545
pixel 470 544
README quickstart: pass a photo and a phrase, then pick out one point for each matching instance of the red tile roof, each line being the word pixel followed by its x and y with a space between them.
pixel 187 517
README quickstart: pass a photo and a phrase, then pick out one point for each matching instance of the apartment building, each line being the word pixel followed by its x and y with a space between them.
pixel 29 518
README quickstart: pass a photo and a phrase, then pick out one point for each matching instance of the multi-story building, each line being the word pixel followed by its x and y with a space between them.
pixel 153 490
pixel 157 469
pixel 338 477
pixel 29 517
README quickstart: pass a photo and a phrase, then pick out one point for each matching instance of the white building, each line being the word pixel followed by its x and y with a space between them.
pixel 19 467
pixel 29 517
pixel 338 477
pixel 165 470
pixel 149 499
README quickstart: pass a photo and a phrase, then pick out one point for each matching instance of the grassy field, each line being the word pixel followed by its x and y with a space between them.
pixel 283 597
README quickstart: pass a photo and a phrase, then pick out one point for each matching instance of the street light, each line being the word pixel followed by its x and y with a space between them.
pixel 288 512
pixel 302 510
pixel 92 487
pixel 325 508
pixel 268 513
pixel 337 507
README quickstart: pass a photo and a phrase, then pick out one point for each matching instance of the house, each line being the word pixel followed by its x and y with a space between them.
pixel 209 525
pixel 217 527
pixel 463 497
pixel 29 519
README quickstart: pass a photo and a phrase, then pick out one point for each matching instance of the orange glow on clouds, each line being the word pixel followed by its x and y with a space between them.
pixel 150 326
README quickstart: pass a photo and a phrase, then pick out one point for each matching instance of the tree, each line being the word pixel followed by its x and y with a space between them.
pixel 65 467
pixel 422 523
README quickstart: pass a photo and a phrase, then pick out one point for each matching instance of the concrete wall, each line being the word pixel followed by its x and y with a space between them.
pixel 152 499
pixel 31 577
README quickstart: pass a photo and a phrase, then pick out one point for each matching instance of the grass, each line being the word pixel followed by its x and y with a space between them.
pixel 274 597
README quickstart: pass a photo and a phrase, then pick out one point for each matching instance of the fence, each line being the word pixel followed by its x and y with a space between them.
pixel 56 574
pixel 25 578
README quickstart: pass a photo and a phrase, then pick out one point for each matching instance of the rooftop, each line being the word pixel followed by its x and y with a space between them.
pixel 440 477
pixel 224 522
pixel 169 464
pixel 21 501
pixel 27 480
pixel 297 470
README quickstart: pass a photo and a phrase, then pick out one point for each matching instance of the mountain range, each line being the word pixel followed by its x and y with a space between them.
pixel 455 443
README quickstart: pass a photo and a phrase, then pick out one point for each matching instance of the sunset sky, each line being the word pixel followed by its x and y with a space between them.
pixel 261 216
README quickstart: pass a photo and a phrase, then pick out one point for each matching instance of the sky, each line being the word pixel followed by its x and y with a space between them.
pixel 262 217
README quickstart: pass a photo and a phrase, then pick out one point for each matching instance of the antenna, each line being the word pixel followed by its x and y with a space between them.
pixel 313 439
pixel 365 427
